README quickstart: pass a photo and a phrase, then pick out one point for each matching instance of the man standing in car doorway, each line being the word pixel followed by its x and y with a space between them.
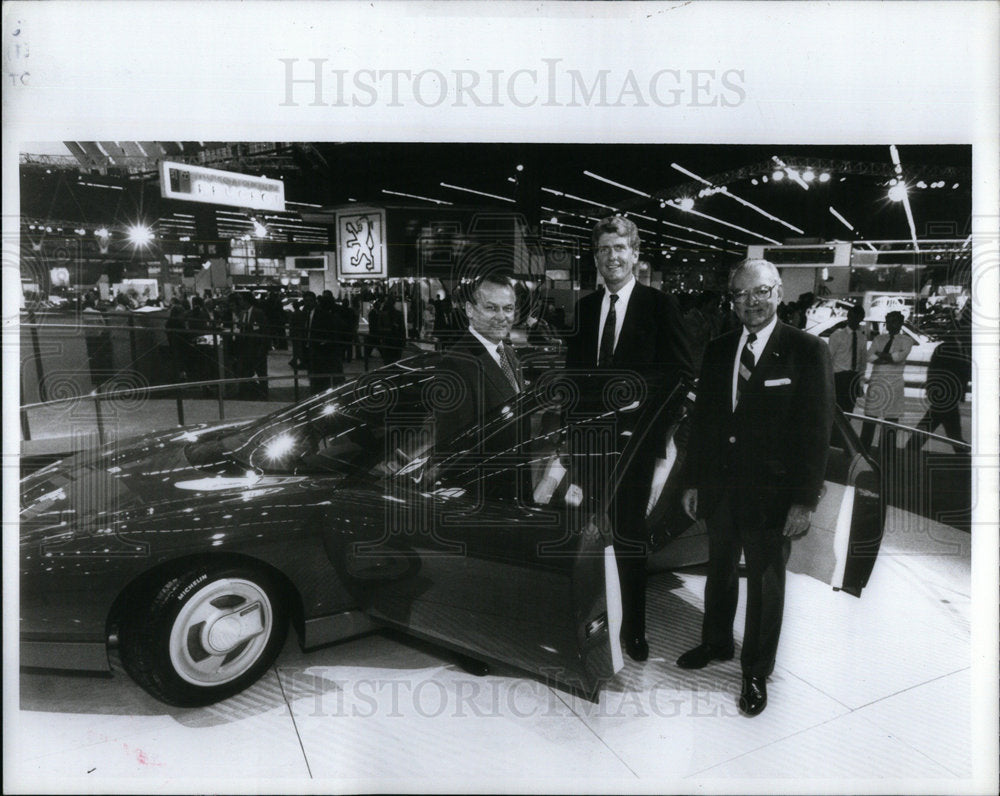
pixel 760 435
pixel 635 328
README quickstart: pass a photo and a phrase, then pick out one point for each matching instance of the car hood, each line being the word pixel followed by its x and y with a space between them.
pixel 94 491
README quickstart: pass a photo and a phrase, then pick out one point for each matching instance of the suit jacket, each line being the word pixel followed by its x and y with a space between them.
pixel 771 451
pixel 653 338
pixel 481 386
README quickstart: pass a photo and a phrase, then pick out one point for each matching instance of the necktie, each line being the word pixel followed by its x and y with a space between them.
pixel 888 346
pixel 506 367
pixel 854 349
pixel 747 362
pixel 607 350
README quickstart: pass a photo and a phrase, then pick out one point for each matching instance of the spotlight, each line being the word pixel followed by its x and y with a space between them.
pixel 764 178
pixel 754 181
pixel 921 184
pixel 955 186
pixel 519 167
pixel 259 230
pixel 778 176
pixel 140 235
pixel 824 177
pixel 687 203
pixel 102 233
pixel 897 193
pixel 808 175
pixel 893 181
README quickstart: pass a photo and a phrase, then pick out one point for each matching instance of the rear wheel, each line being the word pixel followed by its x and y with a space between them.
pixel 204 634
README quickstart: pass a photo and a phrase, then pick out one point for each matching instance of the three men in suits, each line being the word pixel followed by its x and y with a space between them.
pixel 634 328
pixel 755 468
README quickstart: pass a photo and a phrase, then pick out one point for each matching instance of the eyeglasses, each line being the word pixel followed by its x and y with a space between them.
pixel 618 248
pixel 493 309
pixel 759 293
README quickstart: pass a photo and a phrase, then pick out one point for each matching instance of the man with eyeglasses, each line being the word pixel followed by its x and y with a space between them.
pixel 760 435
pixel 634 328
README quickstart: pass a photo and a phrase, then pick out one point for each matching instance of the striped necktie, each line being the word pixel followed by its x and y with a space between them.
pixel 747 362
pixel 505 366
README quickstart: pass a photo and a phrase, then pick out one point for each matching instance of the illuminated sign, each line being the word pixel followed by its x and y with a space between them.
pixel 217 187
pixel 361 244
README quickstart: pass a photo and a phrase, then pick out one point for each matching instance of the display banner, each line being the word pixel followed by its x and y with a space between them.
pixel 361 243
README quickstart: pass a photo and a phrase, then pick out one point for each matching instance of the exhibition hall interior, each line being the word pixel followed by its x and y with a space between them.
pixel 243 563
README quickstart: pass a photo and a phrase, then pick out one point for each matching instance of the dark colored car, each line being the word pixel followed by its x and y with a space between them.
pixel 196 549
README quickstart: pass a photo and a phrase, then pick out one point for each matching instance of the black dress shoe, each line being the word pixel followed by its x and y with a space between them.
pixel 703 654
pixel 473 666
pixel 753 697
pixel 637 648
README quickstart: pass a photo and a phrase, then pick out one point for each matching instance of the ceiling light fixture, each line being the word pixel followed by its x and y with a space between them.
pixel 480 193
pixel 415 196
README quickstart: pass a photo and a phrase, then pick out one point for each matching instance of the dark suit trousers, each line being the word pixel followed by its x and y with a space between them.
pixel 629 522
pixel 847 384
pixel 766 552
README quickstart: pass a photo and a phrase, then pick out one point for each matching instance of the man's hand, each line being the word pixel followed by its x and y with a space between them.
pixel 690 502
pixel 797 521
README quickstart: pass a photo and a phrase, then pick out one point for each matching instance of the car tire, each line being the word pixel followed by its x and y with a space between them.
pixel 204 634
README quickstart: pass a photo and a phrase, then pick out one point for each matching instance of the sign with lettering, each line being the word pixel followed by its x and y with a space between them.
pixel 217 187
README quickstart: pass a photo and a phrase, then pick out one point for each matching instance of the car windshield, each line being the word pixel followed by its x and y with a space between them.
pixel 331 430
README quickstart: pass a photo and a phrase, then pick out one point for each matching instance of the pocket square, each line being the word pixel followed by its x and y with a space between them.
pixel 776 382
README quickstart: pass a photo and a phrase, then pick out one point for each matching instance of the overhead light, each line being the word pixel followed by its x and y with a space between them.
pixel 140 235
pixel 259 230
pixel 778 176
pixel 824 177
pixel 686 204
pixel 808 175
pixel 480 193
pixel 754 181
pixel 519 167
pixel 921 184
pixel 415 196
pixel 617 184
pixel 841 219
pixel 764 178
pixel 954 186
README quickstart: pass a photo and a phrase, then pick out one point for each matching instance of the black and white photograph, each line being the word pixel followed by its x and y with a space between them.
pixel 563 404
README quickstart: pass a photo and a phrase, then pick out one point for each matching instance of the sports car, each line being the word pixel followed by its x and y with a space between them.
pixel 194 550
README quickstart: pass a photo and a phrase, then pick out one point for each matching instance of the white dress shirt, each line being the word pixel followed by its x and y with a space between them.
pixel 757 347
pixel 620 307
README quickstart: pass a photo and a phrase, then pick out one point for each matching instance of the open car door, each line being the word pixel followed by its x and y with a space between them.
pixel 846 533
pixel 501 548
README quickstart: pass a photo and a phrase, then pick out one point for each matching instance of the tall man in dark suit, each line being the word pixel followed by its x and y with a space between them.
pixel 634 328
pixel 756 461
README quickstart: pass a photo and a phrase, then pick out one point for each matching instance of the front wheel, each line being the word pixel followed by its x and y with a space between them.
pixel 205 634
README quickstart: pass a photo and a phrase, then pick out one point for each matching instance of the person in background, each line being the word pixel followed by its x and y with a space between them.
pixel 849 352
pixel 948 374
pixel 321 342
pixel 760 436
pixel 391 330
pixel 634 328
pixel 885 397
pixel 252 345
